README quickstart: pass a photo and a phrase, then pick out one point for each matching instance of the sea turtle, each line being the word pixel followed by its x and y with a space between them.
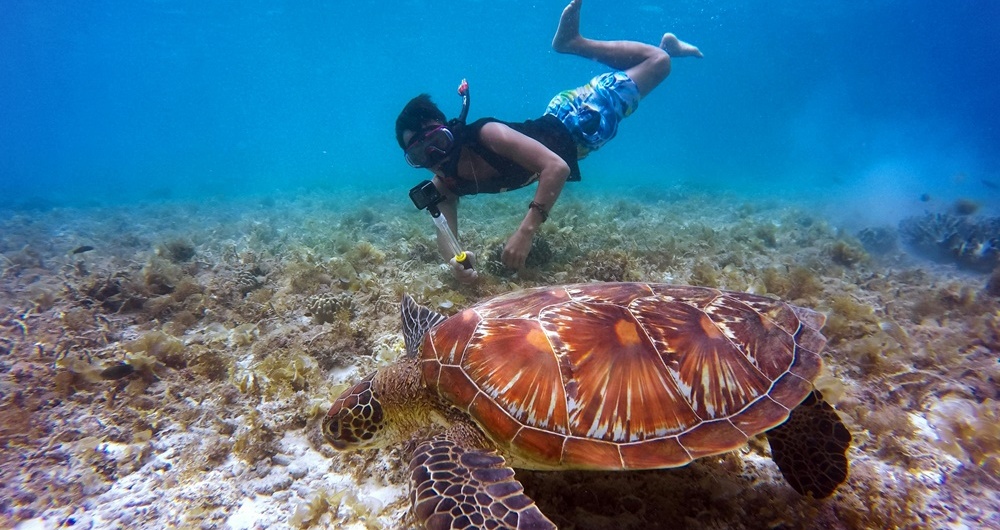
pixel 592 376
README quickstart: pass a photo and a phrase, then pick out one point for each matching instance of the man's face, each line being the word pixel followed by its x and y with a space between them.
pixel 429 147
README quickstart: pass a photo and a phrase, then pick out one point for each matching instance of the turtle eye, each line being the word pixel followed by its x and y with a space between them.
pixel 355 418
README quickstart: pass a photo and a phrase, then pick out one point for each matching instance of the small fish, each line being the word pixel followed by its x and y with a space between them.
pixel 965 207
pixel 990 184
pixel 82 249
pixel 925 197
pixel 117 371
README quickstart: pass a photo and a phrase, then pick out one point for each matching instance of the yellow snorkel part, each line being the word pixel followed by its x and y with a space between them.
pixel 454 248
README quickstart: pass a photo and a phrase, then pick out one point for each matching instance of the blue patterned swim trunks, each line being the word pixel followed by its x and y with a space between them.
pixel 593 111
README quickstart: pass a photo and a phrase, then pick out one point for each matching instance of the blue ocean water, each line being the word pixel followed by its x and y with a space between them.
pixel 872 103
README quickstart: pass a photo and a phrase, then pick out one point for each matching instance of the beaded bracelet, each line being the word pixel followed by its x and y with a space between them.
pixel 540 208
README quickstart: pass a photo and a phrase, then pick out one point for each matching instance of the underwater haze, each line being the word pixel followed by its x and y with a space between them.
pixel 205 235
pixel 874 102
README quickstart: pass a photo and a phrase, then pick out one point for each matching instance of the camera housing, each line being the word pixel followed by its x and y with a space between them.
pixel 425 196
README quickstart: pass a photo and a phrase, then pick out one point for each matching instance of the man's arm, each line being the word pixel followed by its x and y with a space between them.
pixel 552 173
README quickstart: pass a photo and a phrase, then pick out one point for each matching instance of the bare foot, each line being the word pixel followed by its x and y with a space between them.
pixel 568 32
pixel 676 47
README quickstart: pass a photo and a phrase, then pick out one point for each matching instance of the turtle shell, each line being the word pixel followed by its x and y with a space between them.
pixel 623 375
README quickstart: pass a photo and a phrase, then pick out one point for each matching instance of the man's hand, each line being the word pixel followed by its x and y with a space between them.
pixel 515 252
pixel 463 275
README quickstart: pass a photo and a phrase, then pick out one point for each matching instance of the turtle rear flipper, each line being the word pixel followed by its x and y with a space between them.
pixel 811 447
pixel 457 488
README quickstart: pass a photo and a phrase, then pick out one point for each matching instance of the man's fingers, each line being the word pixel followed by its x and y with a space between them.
pixel 512 261
pixel 462 274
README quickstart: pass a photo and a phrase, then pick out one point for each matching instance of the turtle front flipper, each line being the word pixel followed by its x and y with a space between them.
pixel 417 319
pixel 461 488
pixel 811 447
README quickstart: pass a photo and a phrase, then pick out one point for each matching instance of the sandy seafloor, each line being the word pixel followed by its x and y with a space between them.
pixel 243 319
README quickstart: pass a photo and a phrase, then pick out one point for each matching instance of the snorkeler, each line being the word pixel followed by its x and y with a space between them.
pixel 492 156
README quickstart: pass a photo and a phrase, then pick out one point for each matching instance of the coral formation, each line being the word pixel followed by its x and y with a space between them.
pixel 329 307
pixel 970 243
pixel 878 240
pixel 247 281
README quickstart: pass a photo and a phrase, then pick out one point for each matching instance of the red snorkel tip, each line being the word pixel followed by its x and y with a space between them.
pixel 463 90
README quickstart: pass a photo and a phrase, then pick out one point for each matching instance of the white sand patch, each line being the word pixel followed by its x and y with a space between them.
pixel 247 515
pixel 232 495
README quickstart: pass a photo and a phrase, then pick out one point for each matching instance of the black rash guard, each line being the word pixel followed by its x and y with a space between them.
pixel 547 130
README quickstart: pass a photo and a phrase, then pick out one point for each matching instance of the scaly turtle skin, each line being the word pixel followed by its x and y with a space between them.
pixel 593 376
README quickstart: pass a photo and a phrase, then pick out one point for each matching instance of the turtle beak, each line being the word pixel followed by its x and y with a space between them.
pixel 330 428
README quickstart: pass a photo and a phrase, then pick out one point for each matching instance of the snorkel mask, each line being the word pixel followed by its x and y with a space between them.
pixel 429 147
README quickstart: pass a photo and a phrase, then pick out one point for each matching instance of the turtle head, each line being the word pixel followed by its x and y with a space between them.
pixel 355 418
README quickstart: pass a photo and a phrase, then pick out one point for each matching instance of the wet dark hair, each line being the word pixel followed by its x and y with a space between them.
pixel 417 112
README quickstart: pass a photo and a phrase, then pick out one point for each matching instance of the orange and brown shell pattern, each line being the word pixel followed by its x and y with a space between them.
pixel 626 375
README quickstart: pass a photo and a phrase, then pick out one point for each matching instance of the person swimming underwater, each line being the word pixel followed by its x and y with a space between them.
pixel 493 156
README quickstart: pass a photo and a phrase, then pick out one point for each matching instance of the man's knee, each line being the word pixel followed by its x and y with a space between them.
pixel 660 63
pixel 650 72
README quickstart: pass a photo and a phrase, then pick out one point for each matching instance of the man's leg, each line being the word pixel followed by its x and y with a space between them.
pixel 645 64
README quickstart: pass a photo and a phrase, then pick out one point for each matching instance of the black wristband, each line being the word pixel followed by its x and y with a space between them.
pixel 540 209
